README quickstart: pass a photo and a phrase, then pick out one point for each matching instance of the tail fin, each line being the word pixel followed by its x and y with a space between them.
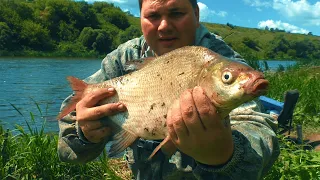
pixel 78 86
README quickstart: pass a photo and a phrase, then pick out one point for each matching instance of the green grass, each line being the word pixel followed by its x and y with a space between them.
pixel 264 41
pixel 295 163
pixel 306 81
pixel 32 154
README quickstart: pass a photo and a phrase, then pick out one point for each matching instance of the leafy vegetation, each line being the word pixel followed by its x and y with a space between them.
pixel 295 163
pixel 62 28
pixel 306 81
pixel 32 154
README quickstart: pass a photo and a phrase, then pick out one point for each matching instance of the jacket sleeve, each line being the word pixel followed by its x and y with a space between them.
pixel 72 145
pixel 255 146
pixel 255 143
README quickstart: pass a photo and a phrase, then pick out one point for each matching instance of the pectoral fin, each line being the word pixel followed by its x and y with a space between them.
pixel 166 146
pixel 122 140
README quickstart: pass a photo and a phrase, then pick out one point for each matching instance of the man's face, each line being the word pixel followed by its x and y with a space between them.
pixel 168 24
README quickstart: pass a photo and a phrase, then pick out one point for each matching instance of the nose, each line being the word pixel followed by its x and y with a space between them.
pixel 165 25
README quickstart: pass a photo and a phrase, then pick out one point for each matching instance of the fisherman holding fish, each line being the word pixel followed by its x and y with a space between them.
pixel 199 137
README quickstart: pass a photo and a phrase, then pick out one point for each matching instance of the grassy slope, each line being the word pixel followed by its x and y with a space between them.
pixel 234 36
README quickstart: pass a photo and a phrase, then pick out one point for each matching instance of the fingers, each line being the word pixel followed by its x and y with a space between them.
pixel 171 130
pixel 95 131
pixel 91 125
pixel 87 109
pixel 207 112
pixel 97 135
pixel 176 127
pixel 189 112
pixel 98 112
pixel 88 113
pixel 91 99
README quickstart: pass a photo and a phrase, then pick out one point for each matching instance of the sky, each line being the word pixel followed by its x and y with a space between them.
pixel 295 16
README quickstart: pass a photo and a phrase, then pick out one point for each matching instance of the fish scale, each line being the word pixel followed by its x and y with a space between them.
pixel 148 92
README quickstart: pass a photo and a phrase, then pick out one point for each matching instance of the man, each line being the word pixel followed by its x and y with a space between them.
pixel 244 149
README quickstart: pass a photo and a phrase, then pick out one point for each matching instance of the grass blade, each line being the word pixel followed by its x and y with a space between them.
pixel 16 109
pixel 37 104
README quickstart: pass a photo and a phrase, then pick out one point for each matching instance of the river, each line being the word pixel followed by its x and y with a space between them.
pixel 29 83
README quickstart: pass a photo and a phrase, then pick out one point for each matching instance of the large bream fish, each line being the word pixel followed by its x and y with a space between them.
pixel 148 92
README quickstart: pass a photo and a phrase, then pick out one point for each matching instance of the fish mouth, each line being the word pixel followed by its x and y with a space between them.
pixel 259 87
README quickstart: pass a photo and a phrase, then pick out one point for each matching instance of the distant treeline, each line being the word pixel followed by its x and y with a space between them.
pixel 79 29
pixel 62 28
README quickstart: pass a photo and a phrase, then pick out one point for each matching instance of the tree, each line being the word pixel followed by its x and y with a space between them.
pixel 67 32
pixel 99 7
pixel 116 17
pixel 96 39
pixel 24 10
pixel 35 36
pixel 281 44
pixel 5 36
pixel 230 25
pixel 250 43
pixel 129 33
pixel 303 48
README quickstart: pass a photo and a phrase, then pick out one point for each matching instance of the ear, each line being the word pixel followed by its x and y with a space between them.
pixel 197 14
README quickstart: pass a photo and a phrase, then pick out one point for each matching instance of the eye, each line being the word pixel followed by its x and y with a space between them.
pixel 176 14
pixel 227 77
pixel 153 16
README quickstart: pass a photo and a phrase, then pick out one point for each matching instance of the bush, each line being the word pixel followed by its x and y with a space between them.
pixel 5 36
pixel 129 33
pixel 96 39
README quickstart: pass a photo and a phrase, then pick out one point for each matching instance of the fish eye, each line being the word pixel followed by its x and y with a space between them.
pixel 226 77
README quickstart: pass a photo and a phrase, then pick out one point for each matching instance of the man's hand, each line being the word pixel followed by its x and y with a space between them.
pixel 88 114
pixel 197 130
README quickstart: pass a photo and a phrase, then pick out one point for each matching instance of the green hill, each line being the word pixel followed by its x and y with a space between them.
pixel 78 29
pixel 268 44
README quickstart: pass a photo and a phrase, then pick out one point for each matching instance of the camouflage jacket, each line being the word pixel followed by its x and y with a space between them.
pixel 255 143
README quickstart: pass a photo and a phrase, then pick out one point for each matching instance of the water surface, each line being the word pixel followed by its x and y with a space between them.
pixel 25 82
